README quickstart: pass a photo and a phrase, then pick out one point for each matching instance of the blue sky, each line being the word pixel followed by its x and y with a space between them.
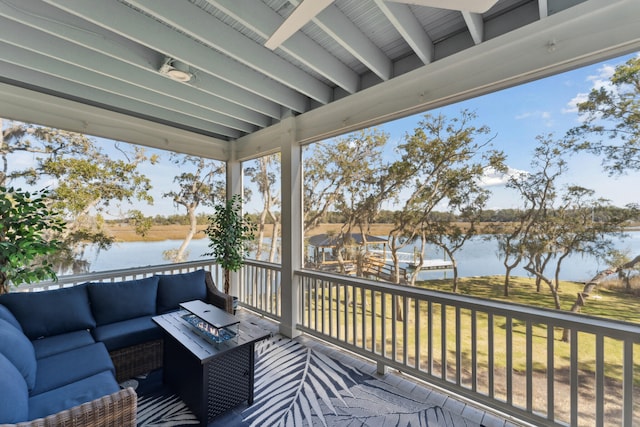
pixel 517 115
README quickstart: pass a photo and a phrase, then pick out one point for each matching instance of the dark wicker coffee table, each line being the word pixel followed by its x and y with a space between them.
pixel 210 378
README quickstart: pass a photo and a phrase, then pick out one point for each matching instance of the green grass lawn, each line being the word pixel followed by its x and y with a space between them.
pixel 603 302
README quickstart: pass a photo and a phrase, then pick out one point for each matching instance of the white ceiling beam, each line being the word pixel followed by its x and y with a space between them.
pixel 263 20
pixel 88 94
pixel 301 15
pixel 119 19
pixel 191 20
pixel 333 22
pixel 475 24
pixel 50 65
pixel 474 6
pixel 409 28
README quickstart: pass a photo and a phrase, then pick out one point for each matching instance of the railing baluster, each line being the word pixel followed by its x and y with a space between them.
pixel 443 341
pixel 430 338
pixel 265 289
pixel 316 303
pixel 405 329
pixel 383 324
pixel 374 339
pixel 458 332
pixel 550 372
pixel 573 381
pixel 599 380
pixel 491 355
pixel 509 361
pixel 394 333
pixel 627 383
pixel 529 362
pixel 346 313
pixel 417 340
pixel 363 310
pixel 474 350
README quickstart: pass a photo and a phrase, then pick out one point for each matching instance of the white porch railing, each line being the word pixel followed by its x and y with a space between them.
pixel 260 288
pixel 506 356
pixel 127 274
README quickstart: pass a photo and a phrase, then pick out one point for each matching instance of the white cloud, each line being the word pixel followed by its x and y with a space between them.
pixel 604 73
pixel 542 115
pixel 524 115
pixel 572 105
pixel 492 177
pixel 602 79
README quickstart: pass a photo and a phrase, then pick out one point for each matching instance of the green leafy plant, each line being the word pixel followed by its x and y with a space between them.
pixel 27 227
pixel 228 232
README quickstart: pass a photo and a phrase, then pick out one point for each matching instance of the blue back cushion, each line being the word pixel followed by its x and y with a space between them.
pixel 47 313
pixel 5 314
pixel 114 302
pixel 16 347
pixel 14 404
pixel 176 288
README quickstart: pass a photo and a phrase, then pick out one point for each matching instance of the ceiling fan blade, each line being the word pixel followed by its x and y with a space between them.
pixel 474 6
pixel 303 13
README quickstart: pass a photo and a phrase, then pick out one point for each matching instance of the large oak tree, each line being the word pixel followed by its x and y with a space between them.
pixel 85 182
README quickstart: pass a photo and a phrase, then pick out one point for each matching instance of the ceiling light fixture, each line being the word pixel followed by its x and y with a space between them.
pixel 176 70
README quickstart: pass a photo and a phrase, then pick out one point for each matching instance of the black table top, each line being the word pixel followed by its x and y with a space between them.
pixel 178 328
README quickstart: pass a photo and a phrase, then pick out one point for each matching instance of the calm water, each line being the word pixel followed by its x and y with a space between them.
pixel 477 258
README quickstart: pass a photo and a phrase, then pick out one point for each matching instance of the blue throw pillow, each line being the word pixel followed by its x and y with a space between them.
pixel 47 313
pixel 114 302
pixel 6 314
pixel 14 404
pixel 16 347
pixel 176 288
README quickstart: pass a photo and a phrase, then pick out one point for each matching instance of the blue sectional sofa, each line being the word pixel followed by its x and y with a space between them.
pixel 64 351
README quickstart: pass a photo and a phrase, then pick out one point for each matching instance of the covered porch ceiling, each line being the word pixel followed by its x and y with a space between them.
pixel 109 67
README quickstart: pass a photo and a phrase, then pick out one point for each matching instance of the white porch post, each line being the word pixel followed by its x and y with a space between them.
pixel 234 186
pixel 291 190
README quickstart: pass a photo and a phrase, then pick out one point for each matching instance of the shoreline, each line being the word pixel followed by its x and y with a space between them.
pixel 157 233
pixel 126 233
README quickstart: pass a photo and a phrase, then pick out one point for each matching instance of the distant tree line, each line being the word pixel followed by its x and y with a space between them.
pixel 486 216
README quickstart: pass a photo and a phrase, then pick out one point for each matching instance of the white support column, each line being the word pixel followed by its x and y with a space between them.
pixel 234 186
pixel 291 187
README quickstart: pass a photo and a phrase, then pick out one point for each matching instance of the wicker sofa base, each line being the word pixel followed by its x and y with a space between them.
pixel 137 360
pixel 114 410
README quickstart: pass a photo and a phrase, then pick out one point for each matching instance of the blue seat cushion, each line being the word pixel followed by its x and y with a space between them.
pixel 114 302
pixel 14 400
pixel 16 347
pixel 127 333
pixel 70 395
pixel 65 368
pixel 176 288
pixel 46 313
pixel 6 314
pixel 48 346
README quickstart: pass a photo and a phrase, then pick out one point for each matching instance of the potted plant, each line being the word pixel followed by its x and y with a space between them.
pixel 26 229
pixel 229 232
